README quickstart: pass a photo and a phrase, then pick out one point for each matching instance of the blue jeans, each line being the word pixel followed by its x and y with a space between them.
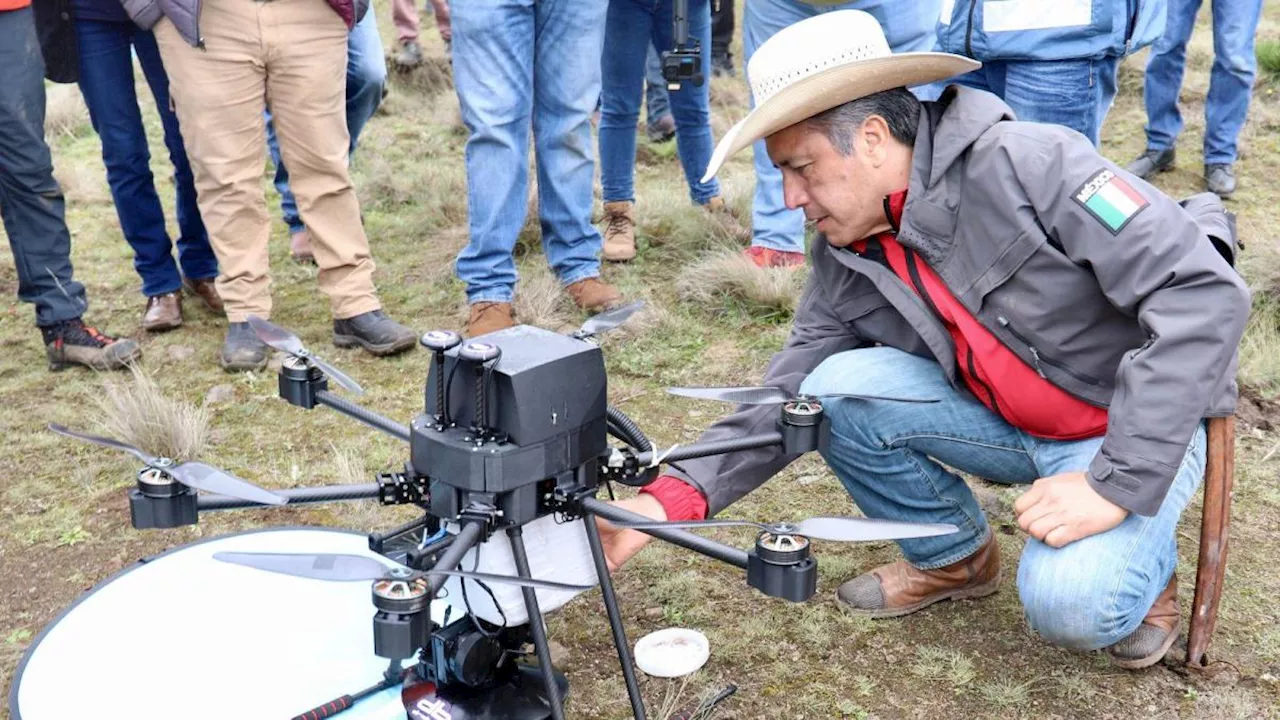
pixel 908 27
pixel 31 202
pixel 632 27
pixel 889 456
pixel 107 84
pixel 657 102
pixel 1072 93
pixel 1235 23
pixel 517 62
pixel 366 76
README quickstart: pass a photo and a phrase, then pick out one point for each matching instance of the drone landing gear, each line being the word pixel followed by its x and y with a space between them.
pixel 522 696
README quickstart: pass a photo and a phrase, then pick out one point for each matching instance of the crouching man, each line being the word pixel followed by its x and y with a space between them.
pixel 1076 325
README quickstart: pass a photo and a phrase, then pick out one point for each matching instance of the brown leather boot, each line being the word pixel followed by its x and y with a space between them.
pixel 727 219
pixel 487 317
pixel 593 295
pixel 300 247
pixel 619 231
pixel 900 589
pixel 207 291
pixel 163 312
pixel 1148 645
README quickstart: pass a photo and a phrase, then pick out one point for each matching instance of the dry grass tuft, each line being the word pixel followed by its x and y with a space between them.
pixel 349 468
pixel 82 184
pixel 729 275
pixel 65 113
pixel 540 300
pixel 140 414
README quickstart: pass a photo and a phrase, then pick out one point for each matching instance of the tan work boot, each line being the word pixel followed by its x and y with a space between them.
pixel 619 231
pixel 487 317
pixel 1148 645
pixel 899 589
pixel 724 215
pixel 593 295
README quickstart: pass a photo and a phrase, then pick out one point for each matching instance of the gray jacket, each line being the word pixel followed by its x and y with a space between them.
pixel 185 14
pixel 1144 320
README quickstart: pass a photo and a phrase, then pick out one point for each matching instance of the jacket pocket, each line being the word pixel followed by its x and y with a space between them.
pixel 1039 359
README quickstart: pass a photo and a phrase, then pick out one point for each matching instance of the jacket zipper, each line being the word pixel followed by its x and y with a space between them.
pixel 1037 358
pixel 968 31
pixel 973 373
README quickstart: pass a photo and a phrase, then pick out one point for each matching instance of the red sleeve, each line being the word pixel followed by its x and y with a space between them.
pixel 680 500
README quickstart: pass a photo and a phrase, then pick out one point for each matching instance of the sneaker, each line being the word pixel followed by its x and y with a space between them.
pixel 487 317
pixel 1151 162
pixel 410 55
pixel 374 331
pixel 242 350
pixel 593 295
pixel 71 342
pixel 662 130
pixel 619 232
pixel 1220 179
pixel 769 258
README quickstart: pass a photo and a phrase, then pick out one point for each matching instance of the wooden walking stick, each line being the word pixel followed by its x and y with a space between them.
pixel 1211 569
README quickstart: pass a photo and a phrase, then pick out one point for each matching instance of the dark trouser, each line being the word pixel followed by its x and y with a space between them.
pixel 721 28
pixel 30 200
pixel 107 84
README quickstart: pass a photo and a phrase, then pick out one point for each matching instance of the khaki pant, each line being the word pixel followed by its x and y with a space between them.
pixel 291 55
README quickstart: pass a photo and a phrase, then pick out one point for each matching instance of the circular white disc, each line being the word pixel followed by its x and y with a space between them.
pixel 672 652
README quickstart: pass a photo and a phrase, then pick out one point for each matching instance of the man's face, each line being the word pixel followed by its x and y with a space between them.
pixel 841 194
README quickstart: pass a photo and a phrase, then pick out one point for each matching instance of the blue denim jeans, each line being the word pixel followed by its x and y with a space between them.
pixel 107 84
pixel 1072 93
pixel 516 63
pixel 657 102
pixel 31 203
pixel 366 76
pixel 1235 24
pixel 908 27
pixel 890 457
pixel 632 27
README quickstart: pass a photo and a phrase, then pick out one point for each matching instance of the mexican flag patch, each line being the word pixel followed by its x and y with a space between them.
pixel 1111 200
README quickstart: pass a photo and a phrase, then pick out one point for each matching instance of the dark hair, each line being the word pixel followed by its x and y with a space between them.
pixel 899 108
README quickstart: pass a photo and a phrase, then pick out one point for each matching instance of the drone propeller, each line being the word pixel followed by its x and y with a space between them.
pixel 286 342
pixel 353 568
pixel 607 321
pixel 838 529
pixel 768 395
pixel 192 474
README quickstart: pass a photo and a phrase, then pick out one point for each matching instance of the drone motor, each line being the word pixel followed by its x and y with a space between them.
pixel 401 623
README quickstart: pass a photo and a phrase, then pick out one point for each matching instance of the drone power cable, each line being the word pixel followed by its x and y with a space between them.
pixel 467 601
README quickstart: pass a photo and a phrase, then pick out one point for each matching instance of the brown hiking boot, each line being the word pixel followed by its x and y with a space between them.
pixel 71 342
pixel 487 317
pixel 1148 645
pixel 300 247
pixel 619 232
pixel 727 219
pixel 899 589
pixel 593 295
pixel 207 290
pixel 163 312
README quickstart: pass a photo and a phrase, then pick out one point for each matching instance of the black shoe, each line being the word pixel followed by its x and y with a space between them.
pixel 242 350
pixel 1151 162
pixel 71 342
pixel 722 64
pixel 1220 179
pixel 375 332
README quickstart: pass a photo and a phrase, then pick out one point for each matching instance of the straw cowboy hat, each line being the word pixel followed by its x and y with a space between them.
pixel 821 62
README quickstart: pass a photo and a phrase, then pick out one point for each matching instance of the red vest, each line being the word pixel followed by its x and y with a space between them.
pixel 996 376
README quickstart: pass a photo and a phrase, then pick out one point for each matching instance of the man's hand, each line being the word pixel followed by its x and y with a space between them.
pixel 621 544
pixel 1063 508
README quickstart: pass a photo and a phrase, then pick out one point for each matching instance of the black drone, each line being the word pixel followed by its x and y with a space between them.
pixel 516 427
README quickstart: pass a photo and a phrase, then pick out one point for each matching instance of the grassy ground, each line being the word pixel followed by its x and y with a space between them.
pixel 64 522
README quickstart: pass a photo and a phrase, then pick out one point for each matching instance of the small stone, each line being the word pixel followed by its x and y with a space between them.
pixel 653 613
pixel 808 479
pixel 219 393
pixel 178 353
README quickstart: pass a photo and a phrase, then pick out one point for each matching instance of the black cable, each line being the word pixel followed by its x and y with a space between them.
pixel 467 601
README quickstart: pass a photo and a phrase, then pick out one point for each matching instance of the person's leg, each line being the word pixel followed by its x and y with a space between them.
pixel 195 255
pixel 404 15
pixel 288 203
pixel 366 75
pixel 1235 25
pixel 657 102
pixel 722 36
pixel 622 71
pixel 691 104
pixel 569 39
pixel 890 455
pixel 31 202
pixel 774 226
pixel 107 85
pixel 1071 93
pixel 493 65
pixel 1163 78
pixel 1096 591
